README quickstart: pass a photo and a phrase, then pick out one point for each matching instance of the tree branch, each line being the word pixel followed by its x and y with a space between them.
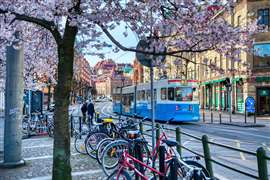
pixel 124 48
pixel 49 25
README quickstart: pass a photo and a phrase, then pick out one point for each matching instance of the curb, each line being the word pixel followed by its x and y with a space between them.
pixel 244 124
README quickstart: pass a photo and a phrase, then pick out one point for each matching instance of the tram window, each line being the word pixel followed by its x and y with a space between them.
pixel 148 95
pixel 171 94
pixel 155 94
pixel 178 94
pixel 138 95
pixel 187 94
pixel 142 95
pixel 163 94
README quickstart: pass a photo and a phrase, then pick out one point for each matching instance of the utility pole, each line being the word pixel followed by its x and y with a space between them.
pixel 13 107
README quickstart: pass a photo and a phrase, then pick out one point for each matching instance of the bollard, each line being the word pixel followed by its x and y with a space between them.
pixel 207 156
pixel 173 172
pixel 262 164
pixel 212 120
pixel 162 151
pixel 71 126
pixel 178 139
pixel 141 127
pixel 203 115
pixel 97 116
pixel 220 117
pixel 139 156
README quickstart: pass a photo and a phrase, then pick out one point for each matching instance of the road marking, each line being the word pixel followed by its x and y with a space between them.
pixel 79 173
pixel 241 153
pixel 41 146
pixel 255 135
pixel 185 143
pixel 45 157
pixel 220 177
pixel 36 139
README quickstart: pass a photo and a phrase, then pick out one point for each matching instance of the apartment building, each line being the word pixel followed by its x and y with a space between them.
pixel 251 77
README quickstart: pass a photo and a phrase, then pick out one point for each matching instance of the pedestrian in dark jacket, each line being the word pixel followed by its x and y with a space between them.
pixel 90 112
pixel 84 110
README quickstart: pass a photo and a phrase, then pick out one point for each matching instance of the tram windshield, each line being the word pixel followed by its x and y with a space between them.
pixel 179 94
pixel 183 94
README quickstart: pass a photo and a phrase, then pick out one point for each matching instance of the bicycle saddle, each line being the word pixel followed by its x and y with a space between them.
pixel 170 143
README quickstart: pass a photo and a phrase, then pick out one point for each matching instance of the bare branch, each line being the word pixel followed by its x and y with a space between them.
pixel 49 25
pixel 124 48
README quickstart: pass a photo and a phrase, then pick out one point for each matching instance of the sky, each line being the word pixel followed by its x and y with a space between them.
pixel 122 56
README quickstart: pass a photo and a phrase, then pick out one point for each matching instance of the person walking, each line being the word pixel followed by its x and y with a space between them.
pixel 90 112
pixel 84 110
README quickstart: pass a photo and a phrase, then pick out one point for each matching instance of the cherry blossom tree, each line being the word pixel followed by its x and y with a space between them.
pixel 182 26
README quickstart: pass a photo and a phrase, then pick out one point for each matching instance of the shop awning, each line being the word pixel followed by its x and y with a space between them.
pixel 213 81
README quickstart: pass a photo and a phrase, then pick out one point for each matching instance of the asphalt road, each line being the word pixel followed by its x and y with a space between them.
pixel 240 137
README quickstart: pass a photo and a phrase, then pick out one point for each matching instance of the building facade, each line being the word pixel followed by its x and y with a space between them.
pixel 248 77
pixel 82 82
pixel 110 75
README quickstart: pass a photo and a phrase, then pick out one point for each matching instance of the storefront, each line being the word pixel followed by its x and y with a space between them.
pixel 263 100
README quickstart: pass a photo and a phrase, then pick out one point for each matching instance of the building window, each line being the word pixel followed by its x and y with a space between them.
pixel 238 21
pixel 261 56
pixel 163 94
pixel 263 17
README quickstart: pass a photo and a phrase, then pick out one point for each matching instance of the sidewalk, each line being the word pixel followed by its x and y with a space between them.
pixel 237 119
pixel 38 151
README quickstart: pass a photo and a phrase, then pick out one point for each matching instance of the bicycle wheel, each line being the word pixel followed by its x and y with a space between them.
pixel 123 175
pixel 79 142
pixel 182 171
pixel 25 129
pixel 101 147
pixel 203 174
pixel 92 141
pixel 50 130
pixel 111 154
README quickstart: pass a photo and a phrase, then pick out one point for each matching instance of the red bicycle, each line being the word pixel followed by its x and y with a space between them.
pixel 112 152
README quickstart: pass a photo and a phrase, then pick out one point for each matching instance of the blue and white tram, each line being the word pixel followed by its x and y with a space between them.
pixel 173 99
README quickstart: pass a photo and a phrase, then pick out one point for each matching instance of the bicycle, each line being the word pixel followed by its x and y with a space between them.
pixel 106 129
pixel 175 167
pixel 34 125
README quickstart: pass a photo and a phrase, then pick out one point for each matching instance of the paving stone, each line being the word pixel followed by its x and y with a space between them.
pixel 37 151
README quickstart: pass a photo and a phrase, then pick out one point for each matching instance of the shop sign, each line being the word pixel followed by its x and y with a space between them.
pixel 264 92
pixel 250 104
pixel 263 79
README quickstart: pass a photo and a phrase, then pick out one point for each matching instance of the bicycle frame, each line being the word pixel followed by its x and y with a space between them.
pixel 124 163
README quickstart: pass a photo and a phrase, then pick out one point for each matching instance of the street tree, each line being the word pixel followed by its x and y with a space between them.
pixel 179 26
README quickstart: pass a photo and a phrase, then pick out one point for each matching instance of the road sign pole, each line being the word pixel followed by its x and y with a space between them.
pixel 255 111
pixel 152 108
pixel 245 112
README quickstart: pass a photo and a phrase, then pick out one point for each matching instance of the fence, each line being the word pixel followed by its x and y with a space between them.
pixel 260 154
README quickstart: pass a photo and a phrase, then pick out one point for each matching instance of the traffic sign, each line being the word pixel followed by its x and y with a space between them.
pixel 250 104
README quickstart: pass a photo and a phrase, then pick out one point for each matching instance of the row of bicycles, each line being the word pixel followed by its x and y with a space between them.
pixel 37 124
pixel 124 153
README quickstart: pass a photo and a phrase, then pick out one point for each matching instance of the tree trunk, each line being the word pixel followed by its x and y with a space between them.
pixel 61 148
